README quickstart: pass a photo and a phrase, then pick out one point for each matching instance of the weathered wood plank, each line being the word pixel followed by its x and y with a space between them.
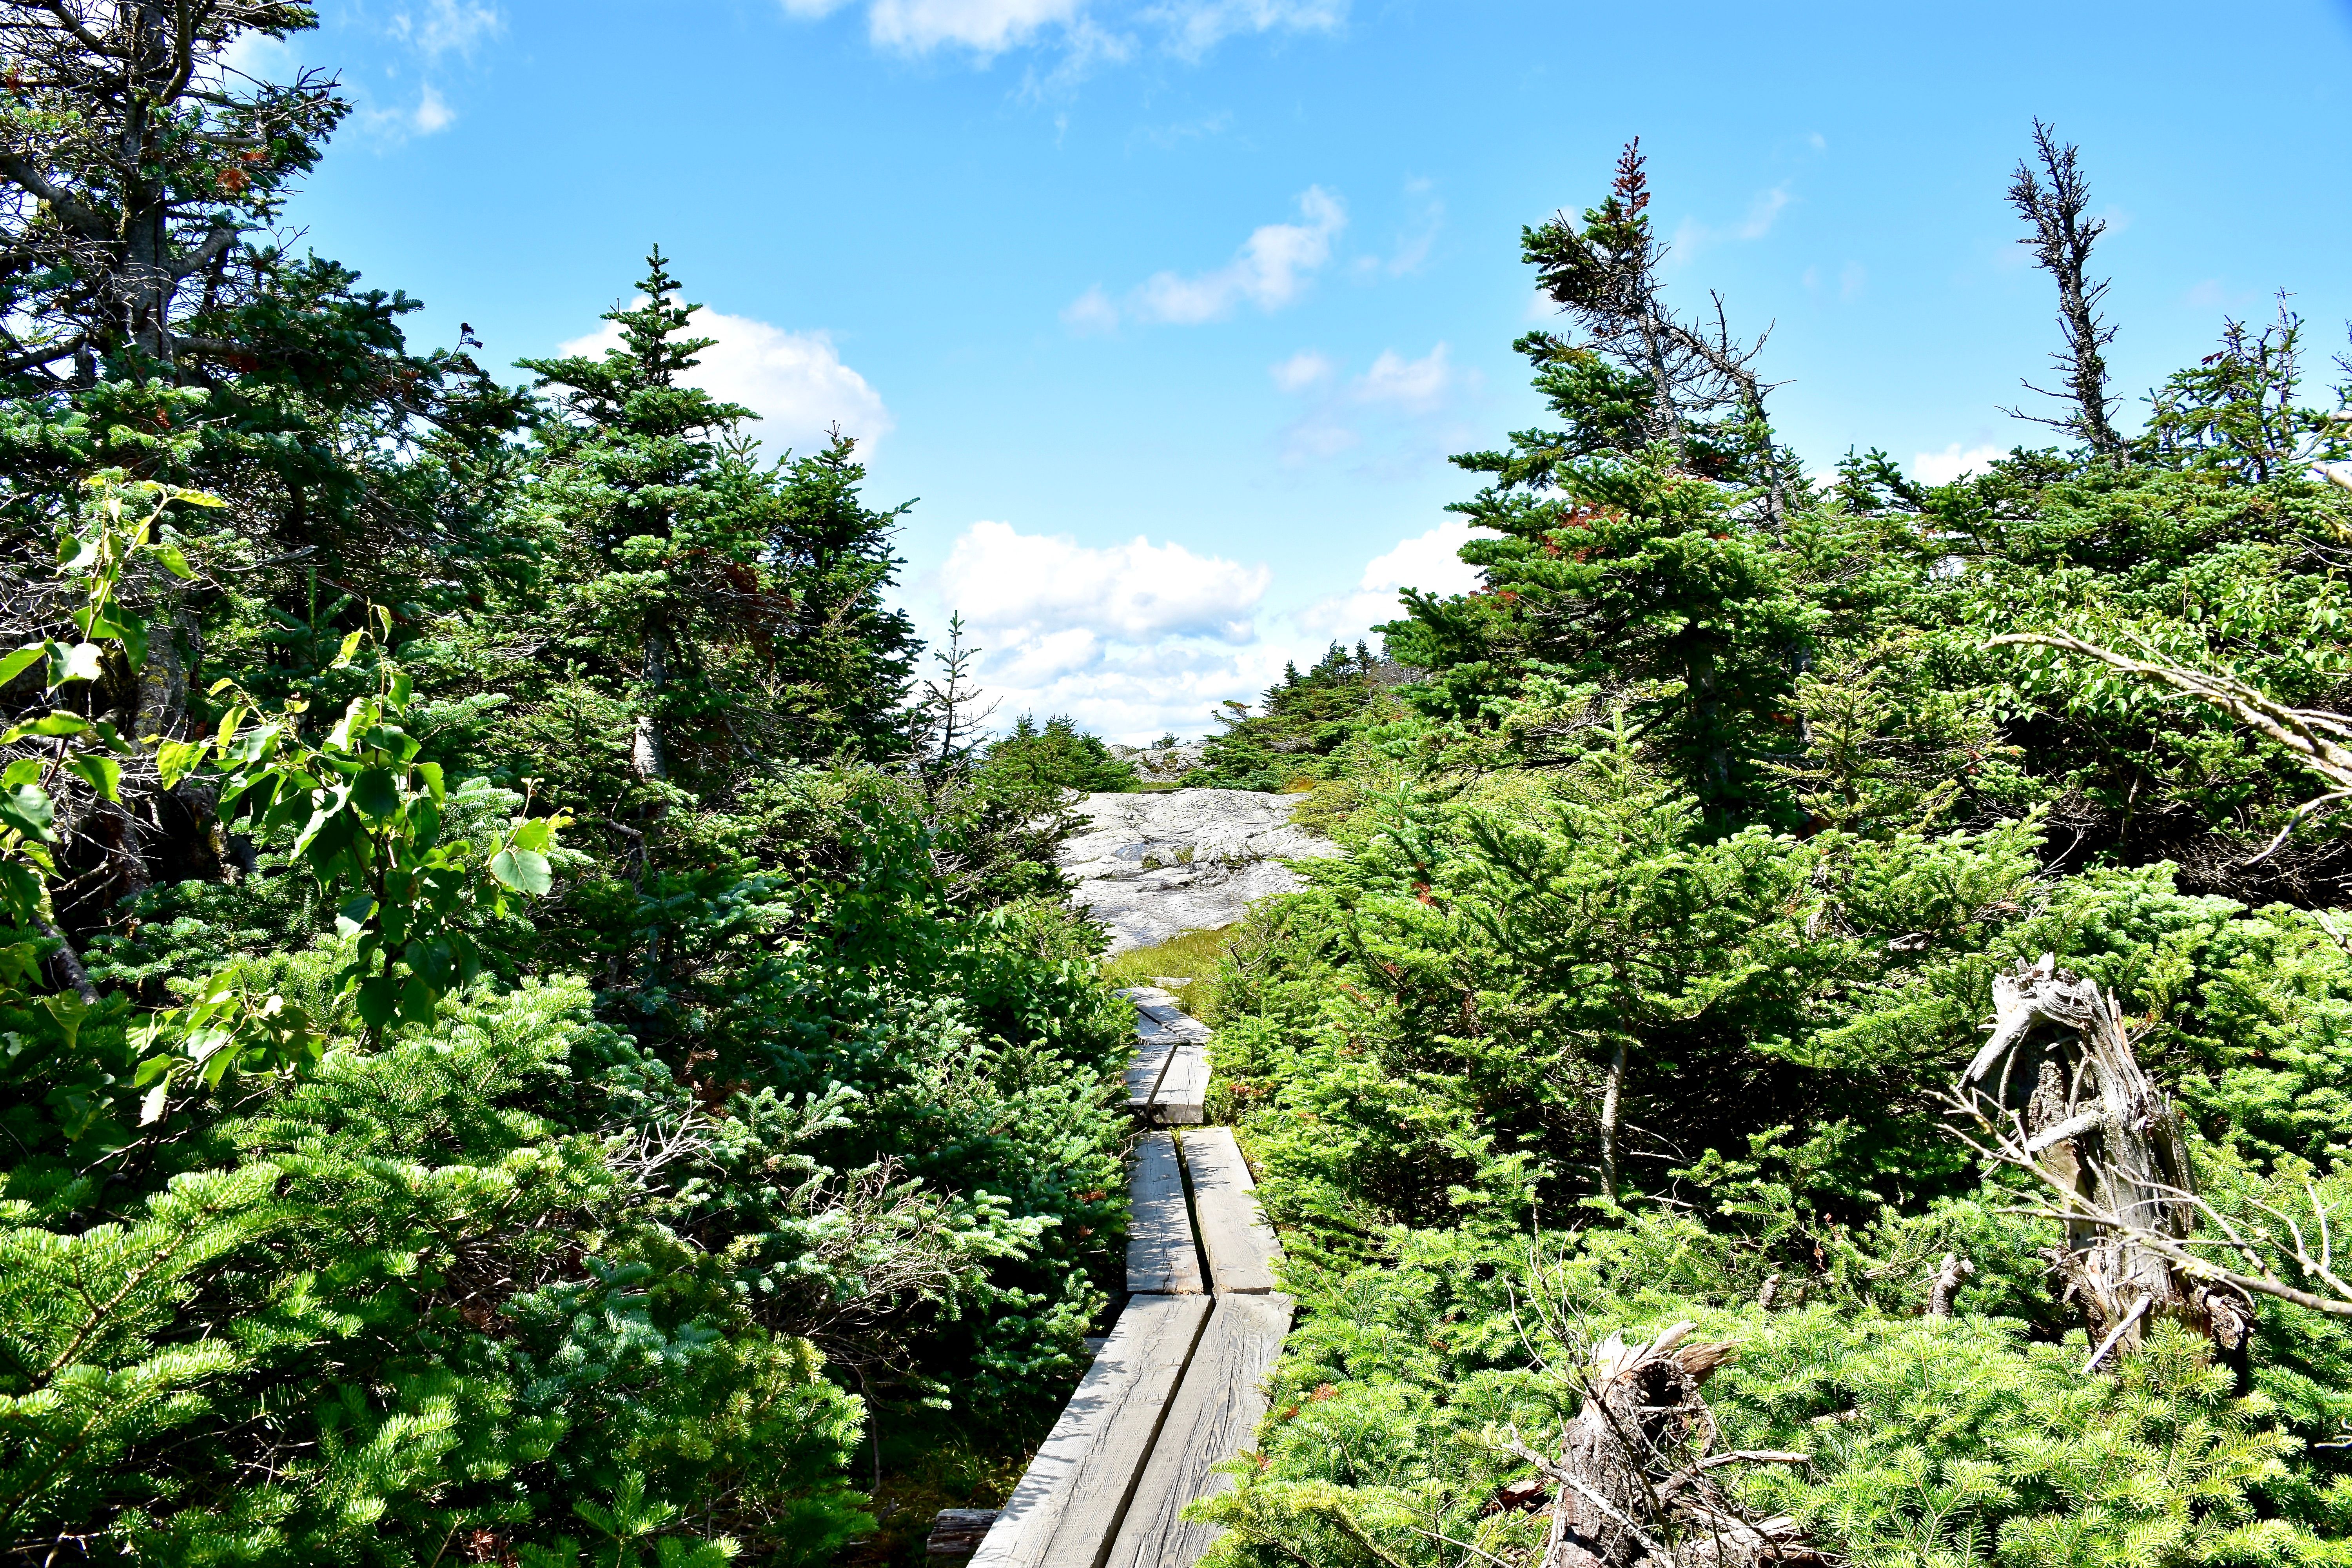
pixel 1162 1256
pixel 1069 1501
pixel 1240 1246
pixel 958 1531
pixel 1144 1074
pixel 1183 1095
pixel 1214 1416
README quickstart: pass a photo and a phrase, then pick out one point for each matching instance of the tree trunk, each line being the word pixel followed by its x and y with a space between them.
pixel 1613 1119
pixel 1635 1475
pixel 2061 1065
pixel 646 748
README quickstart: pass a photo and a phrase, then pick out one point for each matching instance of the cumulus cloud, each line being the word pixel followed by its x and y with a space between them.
pixel 1139 638
pixel 795 382
pixel 1430 562
pixel 1024 587
pixel 1942 467
pixel 1130 639
pixel 1273 269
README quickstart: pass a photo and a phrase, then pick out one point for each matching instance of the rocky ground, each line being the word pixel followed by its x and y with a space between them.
pixel 1151 867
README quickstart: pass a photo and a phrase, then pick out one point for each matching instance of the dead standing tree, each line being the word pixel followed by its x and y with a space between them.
pixel 2059 1091
pixel 2056 201
pixel 1638 1479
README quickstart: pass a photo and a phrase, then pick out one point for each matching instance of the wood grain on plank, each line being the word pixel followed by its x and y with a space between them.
pixel 1240 1246
pixel 1071 1499
pixel 1214 1416
pixel 1183 1092
pixel 1161 1254
pixel 1144 1074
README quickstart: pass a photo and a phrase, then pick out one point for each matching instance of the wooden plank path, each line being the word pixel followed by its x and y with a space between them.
pixel 1179 1385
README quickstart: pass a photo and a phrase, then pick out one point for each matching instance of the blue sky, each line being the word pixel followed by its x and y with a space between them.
pixel 1170 312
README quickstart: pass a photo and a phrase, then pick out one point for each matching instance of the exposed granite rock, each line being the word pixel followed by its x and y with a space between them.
pixel 1162 764
pixel 1151 867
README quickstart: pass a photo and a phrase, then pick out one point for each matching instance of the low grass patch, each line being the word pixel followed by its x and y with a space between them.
pixel 1191 957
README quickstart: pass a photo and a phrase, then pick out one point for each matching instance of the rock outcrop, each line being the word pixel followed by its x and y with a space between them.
pixel 1151 867
pixel 1162 764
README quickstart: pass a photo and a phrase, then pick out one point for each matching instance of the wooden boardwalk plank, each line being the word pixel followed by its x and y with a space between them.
pixel 1240 1246
pixel 1184 1096
pixel 1070 1499
pixel 1215 1415
pixel 1161 1254
pixel 1144 1074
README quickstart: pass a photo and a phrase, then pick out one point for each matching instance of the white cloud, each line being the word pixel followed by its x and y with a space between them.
pixel 1195 26
pixel 1416 386
pixel 1942 467
pixel 1429 562
pixel 1137 639
pixel 449 25
pixel 1693 236
pixel 1026 585
pixel 1272 268
pixel 1187 28
pixel 983 26
pixel 794 381
pixel 1092 311
pixel 1130 639
pixel 431 112
pixel 1302 370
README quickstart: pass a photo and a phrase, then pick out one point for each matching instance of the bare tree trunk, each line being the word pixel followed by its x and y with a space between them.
pixel 2059 1070
pixel 1948 1279
pixel 646 748
pixel 1613 1119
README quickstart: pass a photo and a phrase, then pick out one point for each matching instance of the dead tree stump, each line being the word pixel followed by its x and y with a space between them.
pixel 2059 1085
pixel 1636 1480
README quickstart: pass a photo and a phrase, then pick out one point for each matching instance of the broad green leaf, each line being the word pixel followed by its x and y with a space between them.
pixel 82 661
pixel 16 663
pixel 167 550
pixel 52 723
pixel 431 773
pixel 176 759
pixel 26 808
pixel 530 834
pixel 377 794
pixel 351 642
pixel 524 870
pixel 66 1010
pixel 378 1001
pixel 417 1001
pixel 352 916
pixel 103 772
